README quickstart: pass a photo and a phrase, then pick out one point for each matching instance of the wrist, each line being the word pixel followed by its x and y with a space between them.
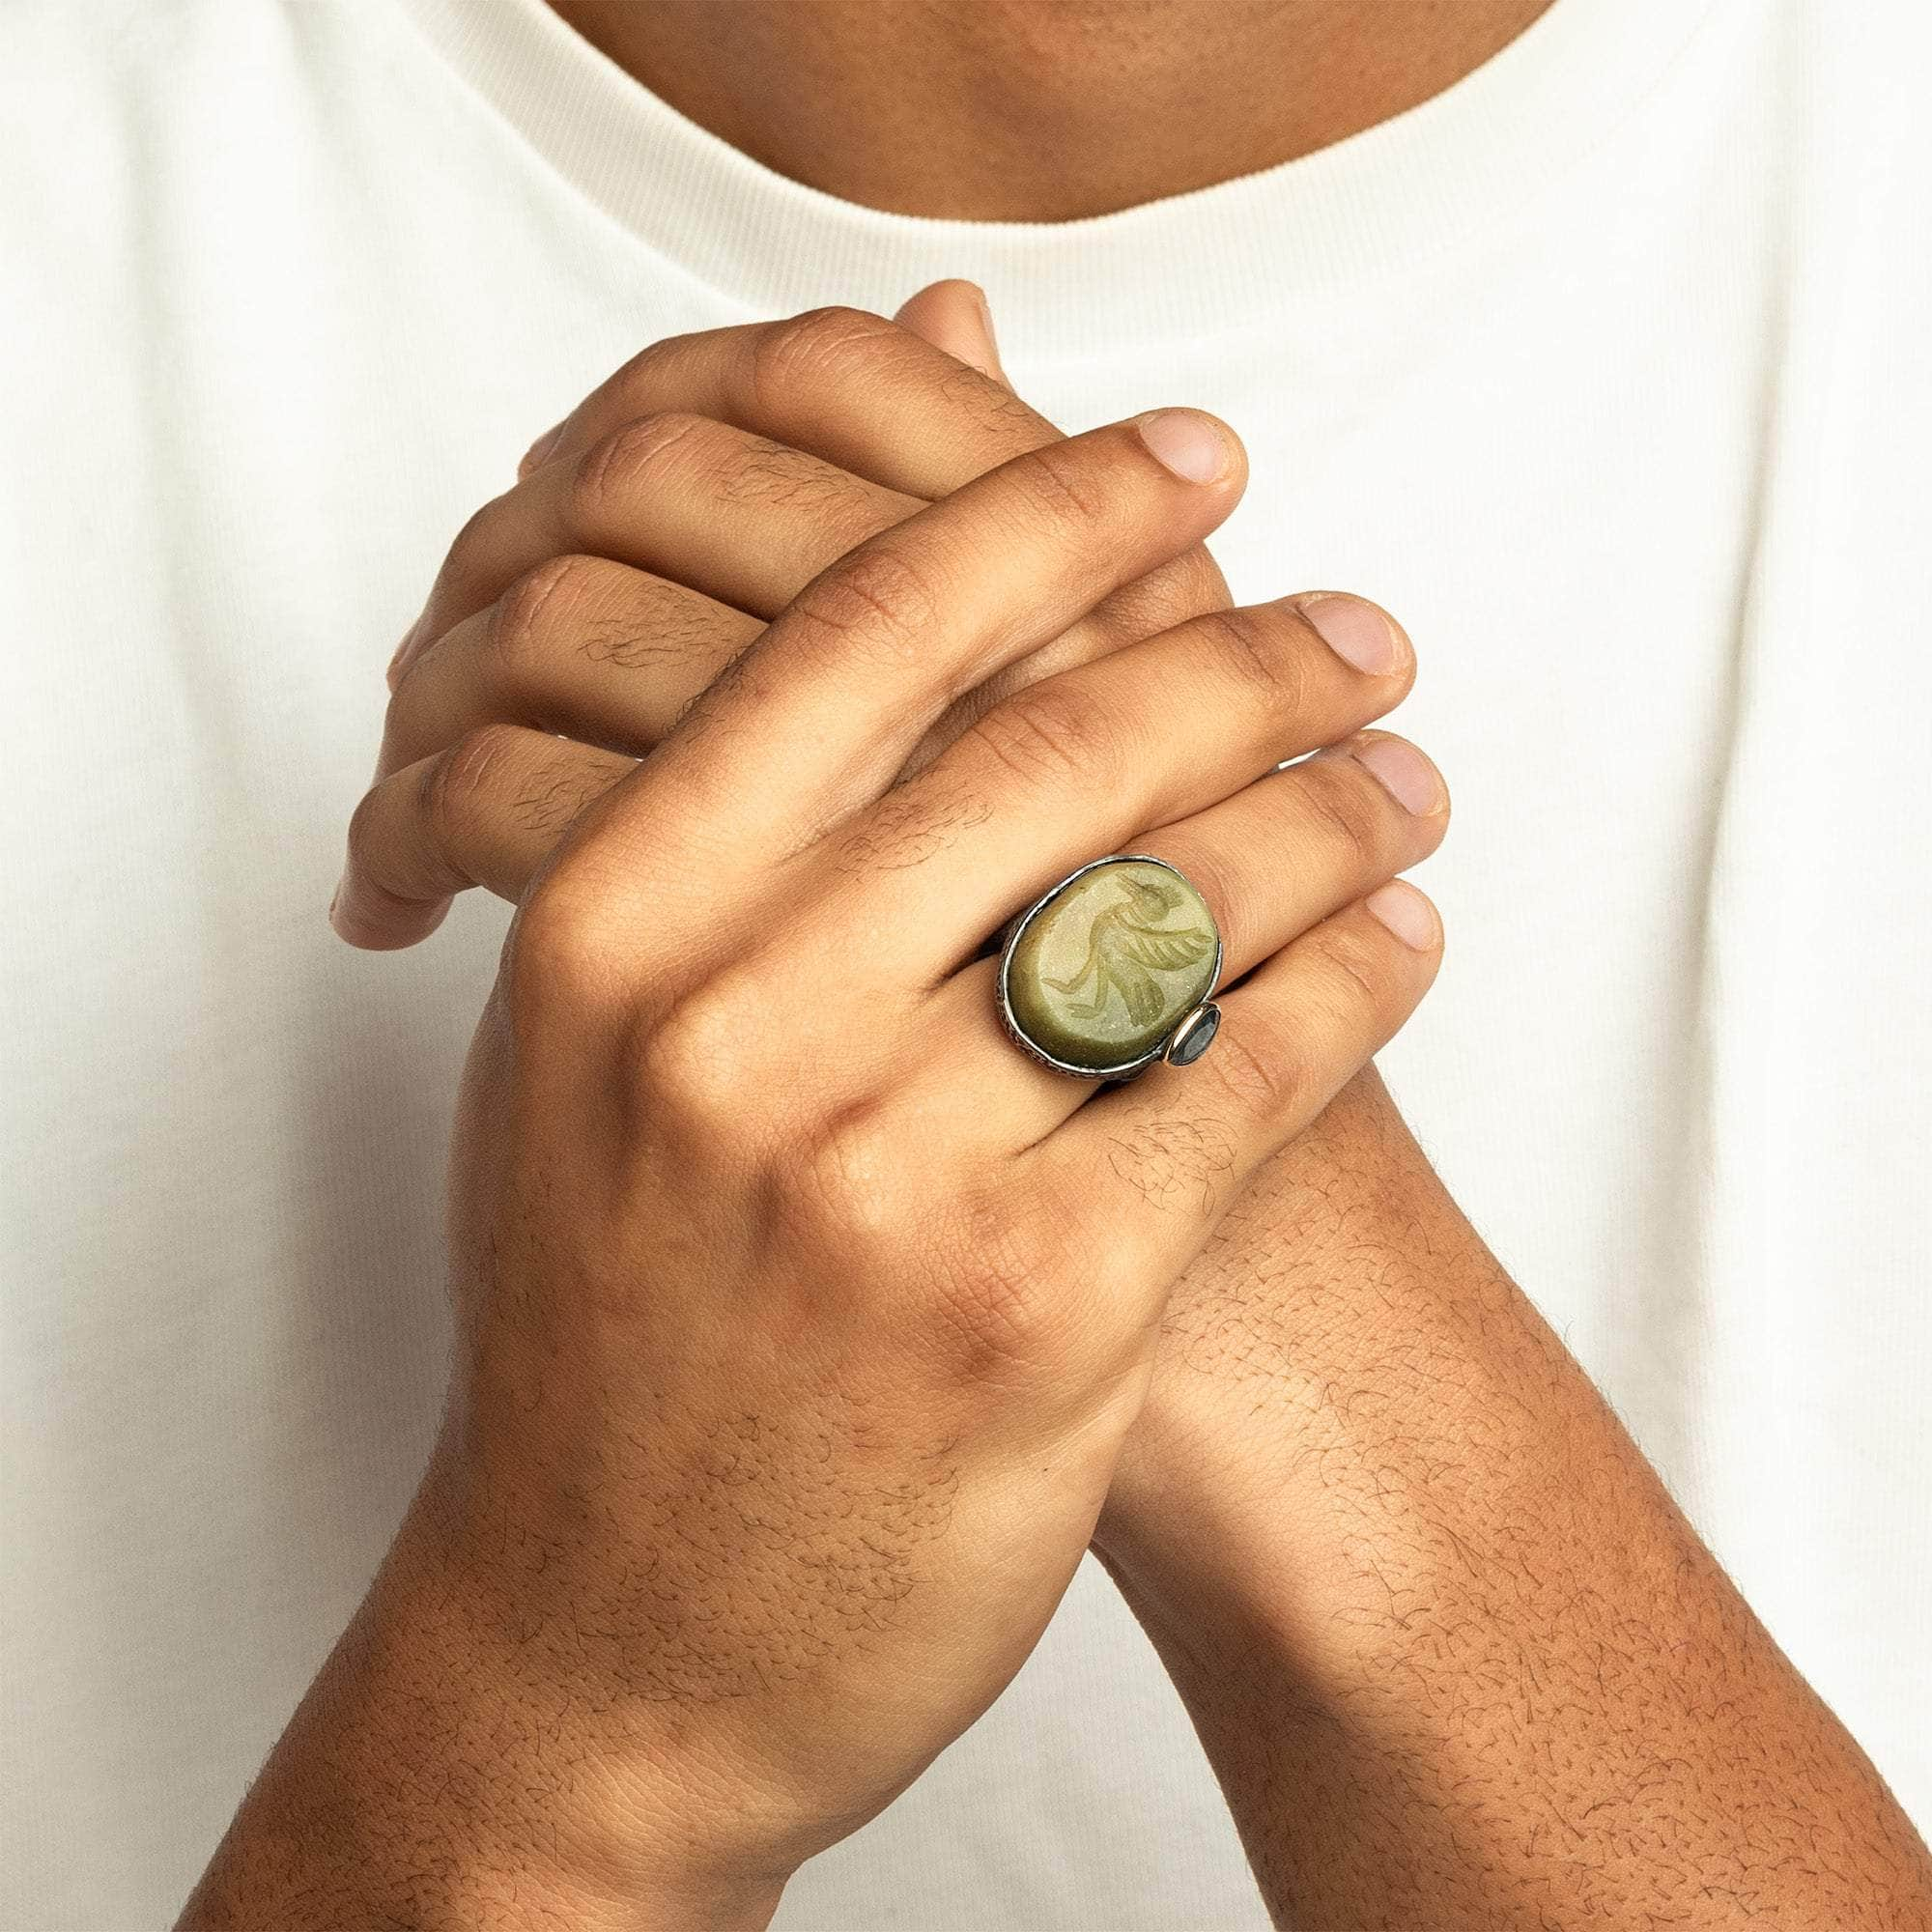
pixel 1254 1501
pixel 423 1784
pixel 1191 1526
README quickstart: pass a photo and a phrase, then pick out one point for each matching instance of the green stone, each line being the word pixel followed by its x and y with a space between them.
pixel 1108 965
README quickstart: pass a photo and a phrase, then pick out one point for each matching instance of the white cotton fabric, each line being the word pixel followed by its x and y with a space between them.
pixel 1607 370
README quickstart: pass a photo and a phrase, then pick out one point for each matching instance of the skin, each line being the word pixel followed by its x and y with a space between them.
pixel 1011 110
pixel 1457 1660
pixel 1456 1656
pixel 751 1495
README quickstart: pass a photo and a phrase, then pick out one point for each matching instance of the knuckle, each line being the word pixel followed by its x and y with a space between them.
pixel 1059 484
pixel 803 349
pixel 1047 732
pixel 849 1182
pixel 458 785
pixel 562 950
pixel 471 550
pixel 629 389
pixel 633 457
pixel 1356 962
pixel 1260 1065
pixel 537 605
pixel 1003 418
pixel 1192 581
pixel 1350 811
pixel 694 1059
pixel 1259 651
pixel 876 598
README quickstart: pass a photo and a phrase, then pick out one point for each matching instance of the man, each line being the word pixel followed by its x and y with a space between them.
pixel 1592 366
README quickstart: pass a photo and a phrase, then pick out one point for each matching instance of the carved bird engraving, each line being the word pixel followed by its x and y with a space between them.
pixel 1125 948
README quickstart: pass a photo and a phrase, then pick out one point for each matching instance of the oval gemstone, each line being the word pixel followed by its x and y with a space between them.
pixel 1106 967
pixel 1192 1037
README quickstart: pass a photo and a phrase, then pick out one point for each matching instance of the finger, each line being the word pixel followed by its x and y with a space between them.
pixel 671 494
pixel 1155 1162
pixel 882 402
pixel 1088 761
pixel 487 810
pixel 608 656
pixel 1272 861
pixel 818 716
pixel 854 388
pixel 581 647
pixel 1300 843
pixel 954 316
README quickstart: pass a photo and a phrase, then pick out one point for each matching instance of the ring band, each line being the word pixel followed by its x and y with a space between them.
pixel 1110 970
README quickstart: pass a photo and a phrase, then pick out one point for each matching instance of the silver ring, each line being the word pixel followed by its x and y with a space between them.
pixel 1137 970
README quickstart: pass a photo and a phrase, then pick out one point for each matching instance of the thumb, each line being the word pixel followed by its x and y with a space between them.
pixel 953 315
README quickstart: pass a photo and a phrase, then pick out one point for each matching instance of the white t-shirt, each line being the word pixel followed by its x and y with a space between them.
pixel 1607 370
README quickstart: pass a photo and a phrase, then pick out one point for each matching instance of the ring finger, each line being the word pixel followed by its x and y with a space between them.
pixel 1273 863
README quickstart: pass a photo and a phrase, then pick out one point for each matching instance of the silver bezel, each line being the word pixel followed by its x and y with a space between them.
pixel 1128 1069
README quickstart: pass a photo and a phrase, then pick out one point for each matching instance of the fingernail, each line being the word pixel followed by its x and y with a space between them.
pixel 1406 914
pixel 1357 633
pixel 1193 446
pixel 538 450
pixel 1415 783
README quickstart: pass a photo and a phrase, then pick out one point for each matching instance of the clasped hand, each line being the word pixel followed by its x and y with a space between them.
pixel 802 1319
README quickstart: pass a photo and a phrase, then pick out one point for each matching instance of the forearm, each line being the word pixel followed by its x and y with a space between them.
pixel 1458 1659
pixel 414 1790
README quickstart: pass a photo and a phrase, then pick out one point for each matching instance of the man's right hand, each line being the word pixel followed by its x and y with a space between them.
pixel 801 1317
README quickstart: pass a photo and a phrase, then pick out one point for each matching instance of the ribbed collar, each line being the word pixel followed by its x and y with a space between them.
pixel 1193 264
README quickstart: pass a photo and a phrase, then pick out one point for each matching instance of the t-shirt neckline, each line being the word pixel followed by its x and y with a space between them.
pixel 1195 264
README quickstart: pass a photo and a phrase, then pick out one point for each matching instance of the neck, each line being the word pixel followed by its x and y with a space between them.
pixel 1021 111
